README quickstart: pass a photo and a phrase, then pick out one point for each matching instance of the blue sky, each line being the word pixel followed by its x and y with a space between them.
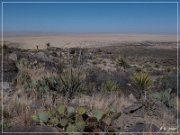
pixel 119 18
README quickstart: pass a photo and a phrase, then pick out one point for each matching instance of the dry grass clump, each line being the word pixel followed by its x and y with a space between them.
pixel 105 101
pixel 34 68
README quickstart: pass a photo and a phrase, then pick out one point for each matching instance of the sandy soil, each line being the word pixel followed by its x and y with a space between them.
pixel 30 41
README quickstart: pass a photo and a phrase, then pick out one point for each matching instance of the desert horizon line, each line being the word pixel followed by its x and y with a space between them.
pixel 88 32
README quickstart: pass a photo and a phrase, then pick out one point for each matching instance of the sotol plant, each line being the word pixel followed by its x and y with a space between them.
pixel 142 82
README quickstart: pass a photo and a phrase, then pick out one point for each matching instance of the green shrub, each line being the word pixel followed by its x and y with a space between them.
pixel 41 86
pixel 142 82
pixel 104 62
pixel 164 97
pixel 110 86
pixel 156 66
pixel 23 79
pixel 94 62
pixel 48 45
pixel 5 46
pixel 121 62
pixel 168 69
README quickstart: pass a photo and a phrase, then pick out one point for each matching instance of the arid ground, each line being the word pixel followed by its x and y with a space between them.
pixel 31 40
pixel 90 83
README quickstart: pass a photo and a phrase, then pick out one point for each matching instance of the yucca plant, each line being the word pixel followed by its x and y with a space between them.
pixel 143 82
pixel 110 86
pixel 121 62
pixel 71 82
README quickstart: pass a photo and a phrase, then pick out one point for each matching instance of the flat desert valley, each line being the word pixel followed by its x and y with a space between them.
pixel 31 40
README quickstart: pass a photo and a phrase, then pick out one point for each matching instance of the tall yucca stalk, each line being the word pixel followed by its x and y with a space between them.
pixel 142 82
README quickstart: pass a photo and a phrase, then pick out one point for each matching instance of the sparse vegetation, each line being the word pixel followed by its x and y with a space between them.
pixel 90 89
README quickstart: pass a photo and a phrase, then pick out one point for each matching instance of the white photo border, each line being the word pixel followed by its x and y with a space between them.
pixel 2 3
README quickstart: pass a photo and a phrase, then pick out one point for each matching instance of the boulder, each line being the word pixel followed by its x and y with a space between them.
pixel 13 57
pixel 5 85
pixel 42 56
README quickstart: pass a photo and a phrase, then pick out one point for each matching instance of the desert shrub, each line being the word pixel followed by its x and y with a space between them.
pixel 137 69
pixel 44 85
pixel 23 79
pixel 6 118
pixel 104 62
pixel 156 66
pixel 6 114
pixel 121 78
pixel 121 62
pixel 27 64
pixel 165 97
pixel 5 46
pixel 110 86
pixel 71 82
pixel 94 62
pixel 142 82
pixel 48 45
pixel 71 119
pixel 96 77
pixel 168 69
pixel 167 81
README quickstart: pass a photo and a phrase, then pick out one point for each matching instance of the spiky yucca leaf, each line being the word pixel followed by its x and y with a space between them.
pixel 142 80
pixel 121 62
pixel 71 82
pixel 110 86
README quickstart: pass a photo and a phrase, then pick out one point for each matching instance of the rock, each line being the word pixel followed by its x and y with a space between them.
pixel 133 108
pixel 141 127
pixel 5 86
pixel 9 70
pixel 42 56
pixel 36 105
pixel 13 57
pixel 132 98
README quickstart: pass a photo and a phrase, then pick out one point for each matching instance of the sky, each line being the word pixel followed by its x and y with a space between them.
pixel 90 17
